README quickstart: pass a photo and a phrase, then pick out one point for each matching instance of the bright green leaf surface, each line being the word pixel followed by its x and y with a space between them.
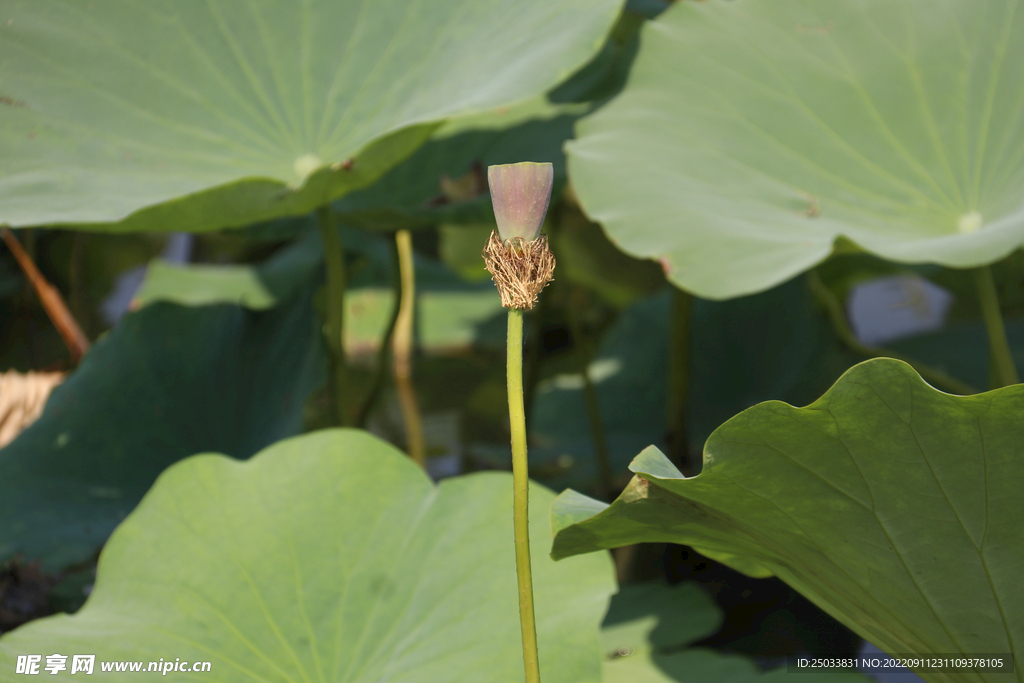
pixel 166 383
pixel 753 133
pixel 166 115
pixel 330 557
pixel 891 505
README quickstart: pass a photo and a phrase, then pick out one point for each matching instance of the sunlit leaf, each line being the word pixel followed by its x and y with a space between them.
pixel 330 557
pixel 754 133
pixel 165 115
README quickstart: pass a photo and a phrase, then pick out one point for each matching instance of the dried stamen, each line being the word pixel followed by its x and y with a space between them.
pixel 520 269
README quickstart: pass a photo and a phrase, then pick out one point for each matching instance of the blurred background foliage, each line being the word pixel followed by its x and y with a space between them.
pixel 210 342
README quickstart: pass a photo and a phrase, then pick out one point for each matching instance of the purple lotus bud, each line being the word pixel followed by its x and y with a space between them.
pixel 520 194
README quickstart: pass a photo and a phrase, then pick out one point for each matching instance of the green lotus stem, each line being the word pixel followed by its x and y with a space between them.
pixel 679 377
pixel 403 351
pixel 1002 358
pixel 384 351
pixel 333 330
pixel 521 265
pixel 521 489
pixel 834 309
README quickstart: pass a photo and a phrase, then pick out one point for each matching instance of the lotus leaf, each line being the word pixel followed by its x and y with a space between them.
pixel 753 134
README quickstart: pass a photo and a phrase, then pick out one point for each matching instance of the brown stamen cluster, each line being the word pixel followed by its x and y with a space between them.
pixel 520 269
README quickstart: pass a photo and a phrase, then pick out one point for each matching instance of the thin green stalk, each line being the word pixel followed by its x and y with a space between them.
pixel 834 309
pixel 414 440
pixel 334 258
pixel 520 501
pixel 1002 359
pixel 679 378
pixel 384 352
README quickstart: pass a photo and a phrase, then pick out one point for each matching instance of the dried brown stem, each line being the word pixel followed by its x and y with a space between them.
pixel 520 269
pixel 51 299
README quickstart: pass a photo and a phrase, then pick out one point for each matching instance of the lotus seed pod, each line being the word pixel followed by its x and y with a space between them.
pixel 520 194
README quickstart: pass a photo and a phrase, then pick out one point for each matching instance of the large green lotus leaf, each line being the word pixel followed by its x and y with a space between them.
pixel 330 557
pixel 166 115
pixel 410 195
pixel 167 382
pixel 889 504
pixel 753 133
pixel 605 75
